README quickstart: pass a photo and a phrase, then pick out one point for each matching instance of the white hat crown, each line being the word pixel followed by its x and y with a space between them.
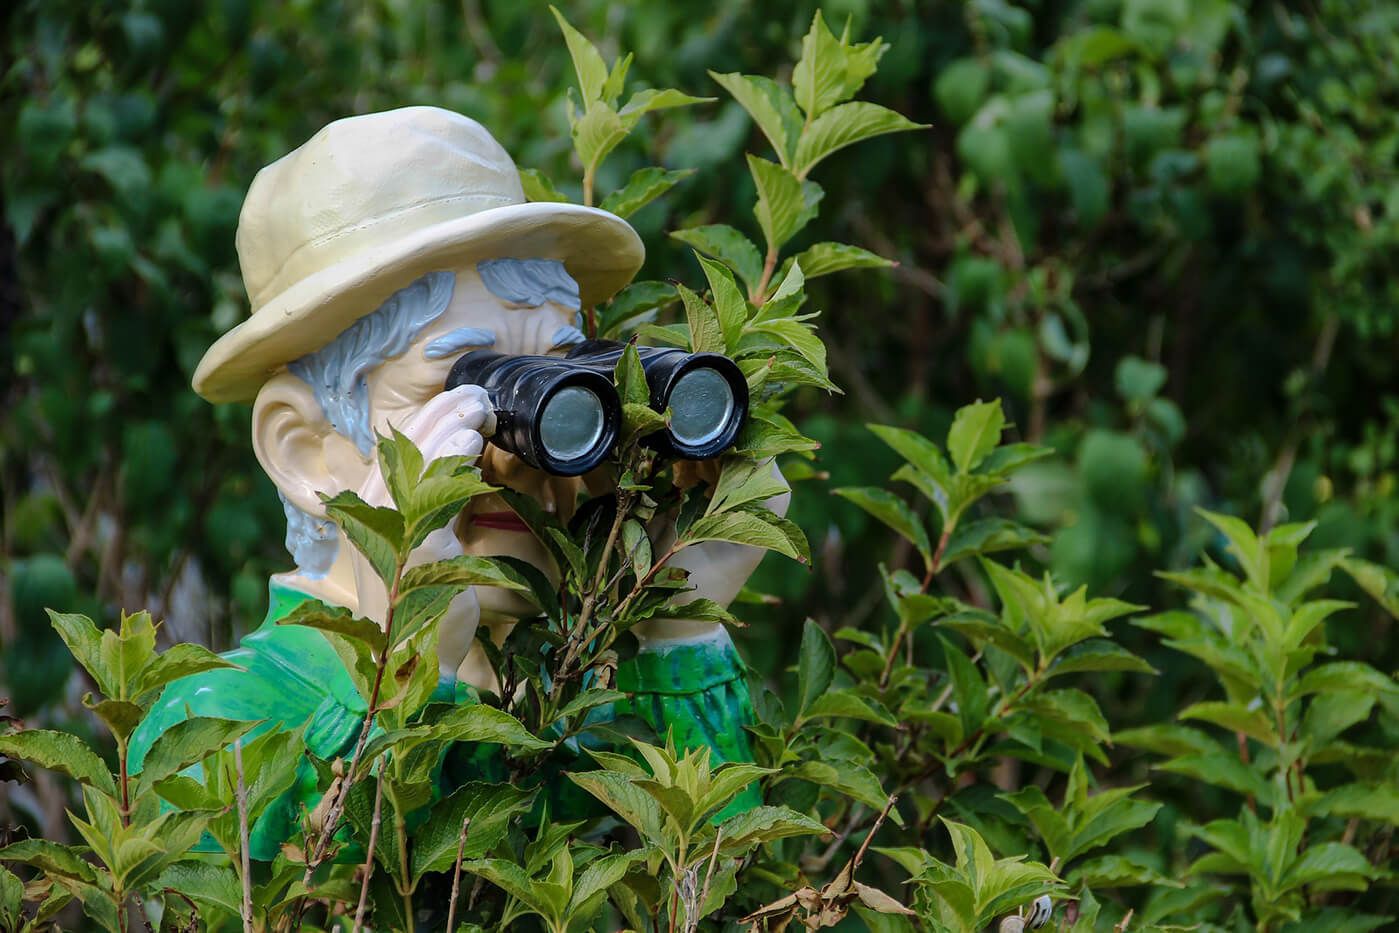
pixel 363 182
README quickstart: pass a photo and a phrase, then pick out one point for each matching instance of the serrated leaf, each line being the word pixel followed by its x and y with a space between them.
pixel 1236 717
pixel 765 824
pixel 830 70
pixel 376 532
pixel 727 245
pixel 988 536
pixel 84 641
pixel 645 101
pixel 1099 655
pixel 587 61
pixel 462 571
pixel 638 301
pixel 827 257
pixel 770 105
pixel 816 664
pixel 706 332
pixel 745 527
pixel 596 134
pixel 643 187
pixel 477 722
pixel 186 743
pixel 975 432
pixel 213 886
pixel 968 688
pixel 847 704
pixel 179 661
pixel 490 807
pixel 59 751
pixel 785 203
pixel 729 303
pixel 893 512
pixel 846 125
pixel 538 187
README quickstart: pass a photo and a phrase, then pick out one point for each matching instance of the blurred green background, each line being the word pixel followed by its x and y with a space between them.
pixel 1164 231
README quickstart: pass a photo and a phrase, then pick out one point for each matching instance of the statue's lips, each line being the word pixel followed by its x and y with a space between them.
pixel 501 521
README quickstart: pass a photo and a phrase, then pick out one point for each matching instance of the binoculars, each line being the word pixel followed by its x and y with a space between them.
pixel 562 414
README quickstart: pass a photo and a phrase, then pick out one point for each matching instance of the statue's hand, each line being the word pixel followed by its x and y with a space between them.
pixel 453 423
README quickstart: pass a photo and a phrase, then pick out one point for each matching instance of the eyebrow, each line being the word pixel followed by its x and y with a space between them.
pixel 457 340
pixel 568 336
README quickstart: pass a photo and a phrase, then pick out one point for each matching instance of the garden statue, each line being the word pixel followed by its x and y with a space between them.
pixel 399 280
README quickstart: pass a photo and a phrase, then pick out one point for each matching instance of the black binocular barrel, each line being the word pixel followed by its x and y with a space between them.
pixel 555 415
pixel 706 393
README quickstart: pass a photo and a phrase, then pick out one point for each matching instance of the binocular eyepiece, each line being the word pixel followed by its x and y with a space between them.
pixel 562 414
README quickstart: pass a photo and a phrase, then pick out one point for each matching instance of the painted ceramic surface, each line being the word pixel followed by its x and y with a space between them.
pixel 328 234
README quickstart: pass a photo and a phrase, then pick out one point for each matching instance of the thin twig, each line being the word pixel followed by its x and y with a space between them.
pixel 369 859
pixel 456 874
pixel 243 837
pixel 708 875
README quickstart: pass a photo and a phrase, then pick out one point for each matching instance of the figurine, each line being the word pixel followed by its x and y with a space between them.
pixel 375 256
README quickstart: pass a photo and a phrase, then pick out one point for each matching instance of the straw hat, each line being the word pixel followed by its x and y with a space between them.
pixel 370 203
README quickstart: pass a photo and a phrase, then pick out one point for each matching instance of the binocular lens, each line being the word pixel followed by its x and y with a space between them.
pixel 563 415
pixel 701 407
pixel 571 423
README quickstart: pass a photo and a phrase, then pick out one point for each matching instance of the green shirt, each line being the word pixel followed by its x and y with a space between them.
pixel 290 675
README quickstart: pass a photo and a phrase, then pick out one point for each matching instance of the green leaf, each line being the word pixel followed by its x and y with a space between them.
pixel 892 511
pixel 830 70
pixel 1115 871
pixel 1244 545
pixel 1330 866
pixel 728 301
pixel 619 792
pixel 1221 769
pixel 539 188
pixel 1344 675
pixel 1379 581
pixel 377 532
pixel 843 126
pixel 643 102
pixel 208 885
pixel 745 527
pixel 727 245
pixel 988 536
pixel 458 573
pixel 121 716
pixel 706 330
pixel 644 186
pixel 975 432
pixel 597 133
pixel 480 723
pixel 84 640
pixel 816 665
pixel 587 62
pixel 1235 717
pixel 53 859
pixel 744 481
pixel 511 879
pixel 11 900
pixel 1099 654
pixel 827 257
pixel 59 751
pixel 179 661
pixel 847 704
pixel 770 105
pixel 490 807
pixel 639 300
pixel 968 688
pixel 785 203
pixel 336 620
pixel 186 743
pixel 848 778
pixel 745 830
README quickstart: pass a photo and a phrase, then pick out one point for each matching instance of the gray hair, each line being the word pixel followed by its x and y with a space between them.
pixel 336 372
pixel 530 282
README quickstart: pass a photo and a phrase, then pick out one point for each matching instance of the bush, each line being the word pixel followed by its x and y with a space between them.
pixel 1106 174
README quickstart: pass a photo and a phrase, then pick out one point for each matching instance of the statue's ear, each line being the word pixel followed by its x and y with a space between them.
pixel 289 437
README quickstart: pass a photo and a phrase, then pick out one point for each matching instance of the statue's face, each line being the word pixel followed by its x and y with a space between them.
pixel 401 386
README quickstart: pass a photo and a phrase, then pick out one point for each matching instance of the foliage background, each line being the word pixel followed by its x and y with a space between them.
pixel 1161 230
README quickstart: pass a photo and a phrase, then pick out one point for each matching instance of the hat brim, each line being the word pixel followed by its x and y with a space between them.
pixel 599 249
